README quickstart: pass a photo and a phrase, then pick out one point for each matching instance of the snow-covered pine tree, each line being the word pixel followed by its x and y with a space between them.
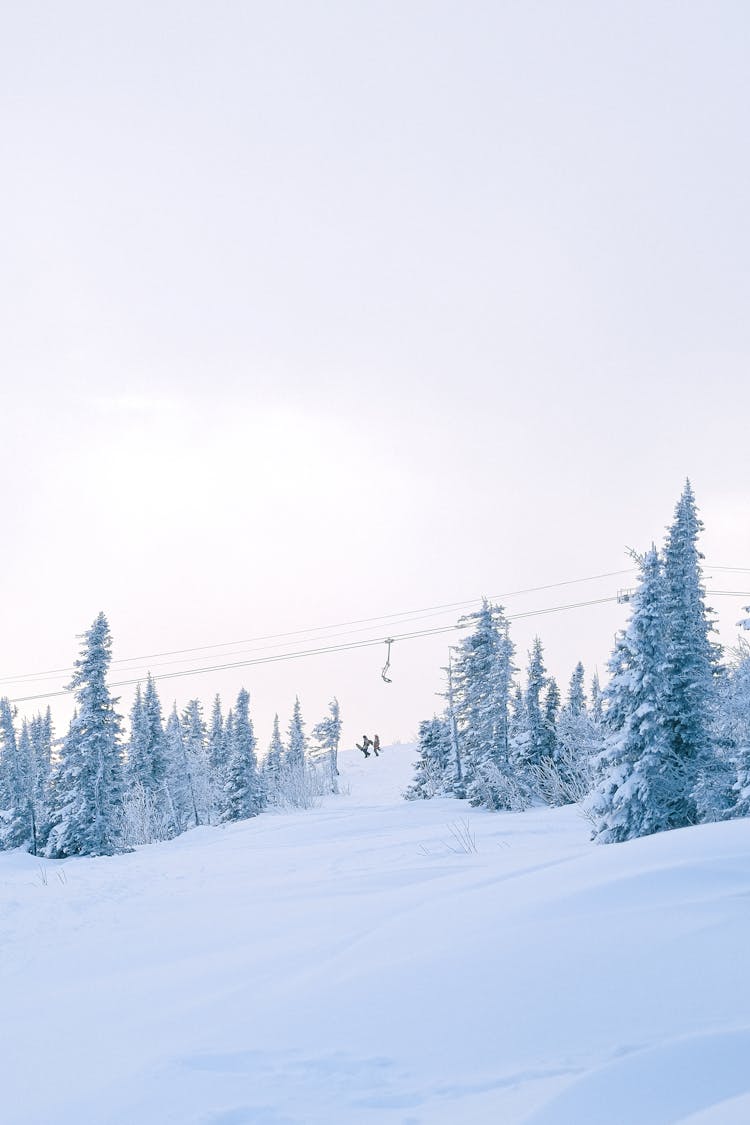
pixel 482 684
pixel 15 824
pixel 328 735
pixel 244 796
pixel 137 745
pixel 532 746
pixel 576 701
pixel 42 737
pixel 194 739
pixel 147 751
pixel 640 786
pixel 179 782
pixel 217 760
pixel 730 791
pixel 550 713
pixel 597 709
pixel 273 762
pixel 518 730
pixel 8 754
pixel 87 793
pixel 296 744
pixel 453 777
pixel 40 740
pixel 691 660
pixel 578 743
pixel 433 766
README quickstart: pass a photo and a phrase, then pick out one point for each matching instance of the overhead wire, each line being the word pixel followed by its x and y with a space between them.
pixel 388 617
pixel 369 642
pixel 347 646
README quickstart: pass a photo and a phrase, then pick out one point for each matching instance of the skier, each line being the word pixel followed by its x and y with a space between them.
pixel 376 745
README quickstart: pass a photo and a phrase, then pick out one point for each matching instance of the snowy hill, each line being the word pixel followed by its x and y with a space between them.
pixel 352 964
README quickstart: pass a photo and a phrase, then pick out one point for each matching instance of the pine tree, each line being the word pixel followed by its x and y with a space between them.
pixel 88 789
pixel 137 747
pixel 273 761
pixel 195 735
pixel 640 789
pixel 179 782
pixel 727 791
pixel 328 734
pixel 549 714
pixel 536 743
pixel 217 760
pixel 15 821
pixel 690 657
pixel 578 740
pixel 482 684
pixel 597 710
pixel 41 738
pixel 433 766
pixel 296 747
pixel 147 754
pixel 8 756
pixel 576 702
pixel 244 796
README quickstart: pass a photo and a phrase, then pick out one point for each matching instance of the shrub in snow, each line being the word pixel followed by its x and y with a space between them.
pixel 300 785
pixel 566 779
pixel 144 819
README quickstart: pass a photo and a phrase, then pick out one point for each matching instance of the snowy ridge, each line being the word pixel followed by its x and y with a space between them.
pixel 350 964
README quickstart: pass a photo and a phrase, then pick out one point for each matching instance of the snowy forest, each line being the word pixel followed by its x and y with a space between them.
pixel 665 745
pixel 96 793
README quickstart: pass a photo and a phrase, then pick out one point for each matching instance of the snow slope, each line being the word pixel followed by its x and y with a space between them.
pixel 343 965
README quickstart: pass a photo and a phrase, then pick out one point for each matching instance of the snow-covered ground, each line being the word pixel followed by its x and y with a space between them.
pixel 344 965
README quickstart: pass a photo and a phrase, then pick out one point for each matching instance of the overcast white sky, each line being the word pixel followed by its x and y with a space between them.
pixel 318 311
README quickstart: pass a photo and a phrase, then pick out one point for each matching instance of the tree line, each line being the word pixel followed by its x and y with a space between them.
pixel 665 745
pixel 96 792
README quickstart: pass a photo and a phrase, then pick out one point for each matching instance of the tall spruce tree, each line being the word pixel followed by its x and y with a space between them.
pixel 482 681
pixel 533 746
pixel 194 738
pixel 217 759
pixel 550 714
pixel 576 701
pixel 328 735
pixel 15 826
pixel 147 752
pixel 690 658
pixel 432 772
pixel 597 708
pixel 179 787
pixel 273 761
pixel 640 786
pixel 244 796
pixel 88 787
pixel 7 753
pixel 296 745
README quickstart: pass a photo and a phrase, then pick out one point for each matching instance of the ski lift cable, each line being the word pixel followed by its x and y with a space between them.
pixel 345 647
pixel 362 643
pixel 445 607
pixel 322 650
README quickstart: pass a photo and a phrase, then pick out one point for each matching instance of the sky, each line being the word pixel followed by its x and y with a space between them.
pixel 317 312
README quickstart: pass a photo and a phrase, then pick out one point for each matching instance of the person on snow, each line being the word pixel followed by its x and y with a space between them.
pixel 376 745
pixel 366 743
